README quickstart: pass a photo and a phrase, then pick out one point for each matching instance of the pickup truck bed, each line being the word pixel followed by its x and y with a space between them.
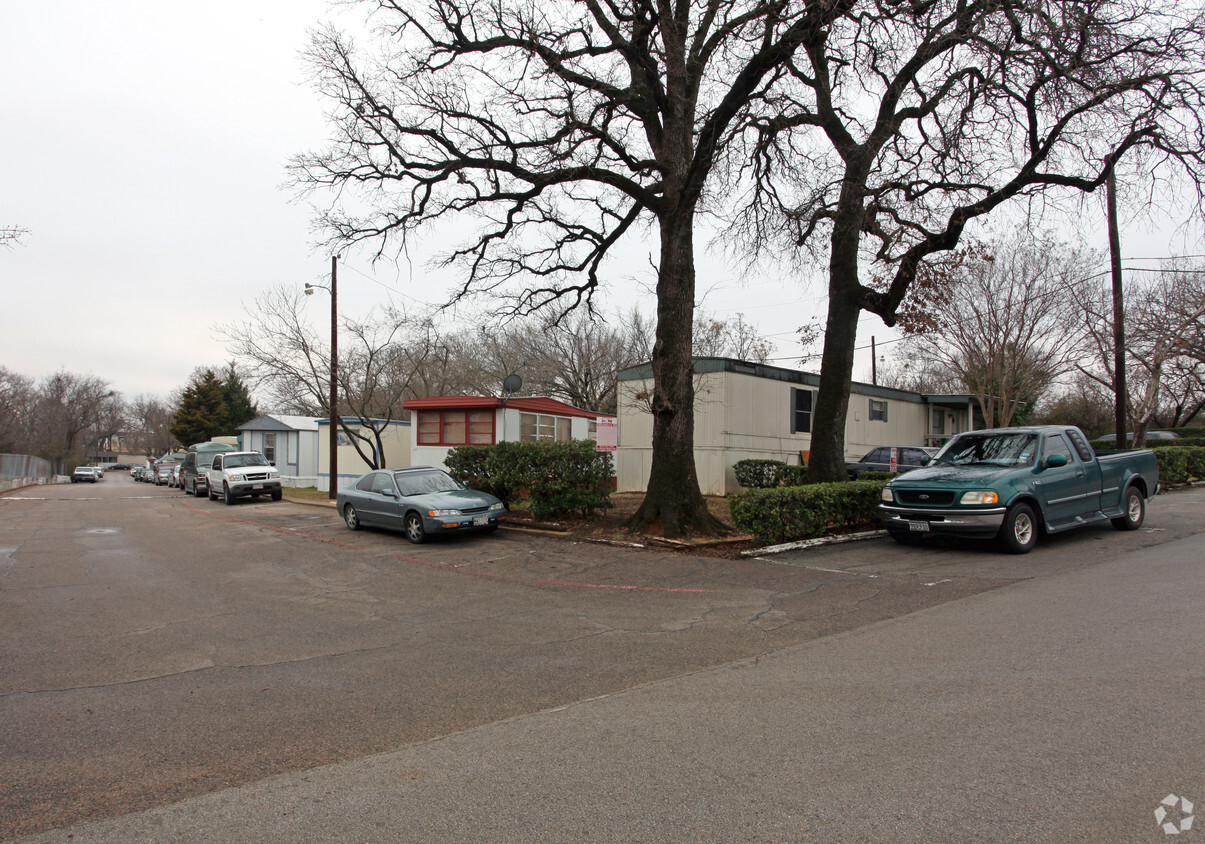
pixel 1014 483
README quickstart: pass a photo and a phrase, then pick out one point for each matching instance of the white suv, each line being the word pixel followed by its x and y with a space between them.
pixel 242 473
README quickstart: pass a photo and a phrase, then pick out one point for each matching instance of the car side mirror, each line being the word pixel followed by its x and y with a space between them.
pixel 392 493
pixel 1056 460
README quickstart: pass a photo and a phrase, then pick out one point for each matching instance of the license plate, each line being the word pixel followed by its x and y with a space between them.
pixel 257 486
pixel 919 527
pixel 480 520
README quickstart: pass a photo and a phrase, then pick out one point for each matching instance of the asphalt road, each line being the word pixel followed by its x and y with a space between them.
pixel 203 662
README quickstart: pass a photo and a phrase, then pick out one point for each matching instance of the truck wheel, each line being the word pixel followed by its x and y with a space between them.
pixel 414 528
pixel 229 499
pixel 1135 511
pixel 209 492
pixel 1019 533
pixel 278 494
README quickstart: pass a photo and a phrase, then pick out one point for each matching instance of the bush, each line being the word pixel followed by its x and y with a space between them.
pixel 754 473
pixel 559 478
pixel 785 514
pixel 1180 464
pixel 758 474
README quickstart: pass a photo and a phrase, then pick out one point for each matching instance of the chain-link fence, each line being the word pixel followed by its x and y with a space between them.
pixel 18 470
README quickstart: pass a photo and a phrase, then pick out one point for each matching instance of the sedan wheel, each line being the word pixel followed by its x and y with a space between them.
pixel 351 517
pixel 414 528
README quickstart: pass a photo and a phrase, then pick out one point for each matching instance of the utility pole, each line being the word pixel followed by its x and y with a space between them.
pixel 334 400
pixel 1119 335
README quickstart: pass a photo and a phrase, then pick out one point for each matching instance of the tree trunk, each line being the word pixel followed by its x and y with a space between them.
pixel 827 462
pixel 673 495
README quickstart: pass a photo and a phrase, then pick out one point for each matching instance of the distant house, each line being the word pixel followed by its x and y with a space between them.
pixel 291 442
pixel 746 410
pixel 444 422
pixel 394 451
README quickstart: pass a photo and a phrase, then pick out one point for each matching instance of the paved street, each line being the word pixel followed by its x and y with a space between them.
pixel 209 673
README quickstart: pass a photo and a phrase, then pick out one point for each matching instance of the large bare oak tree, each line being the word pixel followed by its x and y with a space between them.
pixel 901 121
pixel 546 133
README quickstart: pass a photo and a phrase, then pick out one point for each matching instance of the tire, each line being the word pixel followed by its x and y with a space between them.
pixel 1019 533
pixel 278 494
pixel 351 518
pixel 209 492
pixel 413 524
pixel 226 495
pixel 1134 513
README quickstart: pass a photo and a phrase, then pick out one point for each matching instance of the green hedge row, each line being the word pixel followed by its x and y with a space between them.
pixel 785 514
pixel 558 478
pixel 1179 464
pixel 755 473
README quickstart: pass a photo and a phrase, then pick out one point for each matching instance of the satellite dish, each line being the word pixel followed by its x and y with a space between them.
pixel 512 384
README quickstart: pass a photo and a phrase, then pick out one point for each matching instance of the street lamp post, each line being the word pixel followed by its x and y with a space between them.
pixel 334 397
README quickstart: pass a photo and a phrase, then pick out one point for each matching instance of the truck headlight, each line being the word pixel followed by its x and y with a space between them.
pixel 980 496
pixel 887 495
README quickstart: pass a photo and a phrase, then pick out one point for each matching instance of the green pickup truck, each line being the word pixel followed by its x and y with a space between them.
pixel 1014 483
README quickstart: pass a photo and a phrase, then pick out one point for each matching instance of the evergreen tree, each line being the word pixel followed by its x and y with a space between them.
pixel 239 407
pixel 202 414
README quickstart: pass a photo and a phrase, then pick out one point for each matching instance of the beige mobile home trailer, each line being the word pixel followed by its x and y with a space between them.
pixel 746 410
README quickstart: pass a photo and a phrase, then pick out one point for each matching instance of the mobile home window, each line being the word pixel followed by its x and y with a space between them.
pixel 939 422
pixel 801 411
pixel 540 428
pixel 455 427
pixel 878 411
pixel 270 447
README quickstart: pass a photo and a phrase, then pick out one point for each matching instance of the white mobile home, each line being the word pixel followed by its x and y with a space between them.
pixel 745 410
pixel 291 442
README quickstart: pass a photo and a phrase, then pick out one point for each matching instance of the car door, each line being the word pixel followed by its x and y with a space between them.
pixel 1061 488
pixel 386 501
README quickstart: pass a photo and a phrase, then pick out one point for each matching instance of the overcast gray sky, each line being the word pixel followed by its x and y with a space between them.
pixel 144 147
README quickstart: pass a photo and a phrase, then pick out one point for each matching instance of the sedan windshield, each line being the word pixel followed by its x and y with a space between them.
pixel 1000 449
pixel 421 483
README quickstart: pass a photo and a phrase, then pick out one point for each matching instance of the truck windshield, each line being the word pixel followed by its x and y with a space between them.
pixel 999 449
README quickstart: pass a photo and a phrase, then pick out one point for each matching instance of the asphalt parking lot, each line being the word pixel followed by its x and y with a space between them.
pixel 159 648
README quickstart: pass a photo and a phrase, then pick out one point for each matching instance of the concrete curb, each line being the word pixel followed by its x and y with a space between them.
pixel 803 544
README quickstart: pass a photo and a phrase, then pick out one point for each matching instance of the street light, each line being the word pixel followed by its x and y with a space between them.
pixel 334 398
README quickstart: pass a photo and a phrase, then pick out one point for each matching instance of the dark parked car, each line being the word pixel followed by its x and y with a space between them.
pixel 1150 435
pixel 421 501
pixel 879 460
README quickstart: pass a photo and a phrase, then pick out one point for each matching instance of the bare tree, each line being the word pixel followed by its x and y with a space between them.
pixel 148 426
pixel 10 236
pixel 730 338
pixel 901 122
pixel 16 404
pixel 557 128
pixel 385 358
pixel 73 412
pixel 1165 331
pixel 1000 329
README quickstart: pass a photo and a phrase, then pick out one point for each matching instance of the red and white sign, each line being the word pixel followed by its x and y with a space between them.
pixel 607 429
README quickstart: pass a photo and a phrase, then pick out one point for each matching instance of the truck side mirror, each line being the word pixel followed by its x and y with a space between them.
pixel 1056 460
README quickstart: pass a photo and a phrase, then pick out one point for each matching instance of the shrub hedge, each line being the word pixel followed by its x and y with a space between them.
pixel 558 478
pixel 785 514
pixel 1179 460
pixel 764 474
